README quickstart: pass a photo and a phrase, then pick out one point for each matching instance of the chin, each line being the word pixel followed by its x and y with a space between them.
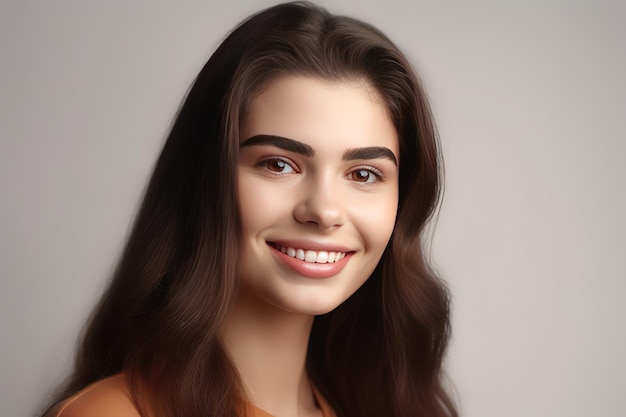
pixel 312 306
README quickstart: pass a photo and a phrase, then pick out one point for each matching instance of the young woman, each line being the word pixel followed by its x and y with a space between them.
pixel 276 265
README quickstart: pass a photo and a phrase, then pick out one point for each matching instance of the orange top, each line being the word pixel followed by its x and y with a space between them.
pixel 110 397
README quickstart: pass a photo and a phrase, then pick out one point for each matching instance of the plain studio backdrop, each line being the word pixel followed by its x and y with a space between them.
pixel 529 98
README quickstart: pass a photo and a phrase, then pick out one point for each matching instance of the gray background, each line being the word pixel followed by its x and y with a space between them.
pixel 529 99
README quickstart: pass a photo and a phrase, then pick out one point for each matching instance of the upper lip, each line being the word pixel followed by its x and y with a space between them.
pixel 312 245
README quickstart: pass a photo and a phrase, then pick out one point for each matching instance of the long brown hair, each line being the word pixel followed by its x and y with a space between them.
pixel 378 354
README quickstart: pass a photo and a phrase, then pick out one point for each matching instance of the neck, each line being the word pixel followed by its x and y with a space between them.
pixel 268 347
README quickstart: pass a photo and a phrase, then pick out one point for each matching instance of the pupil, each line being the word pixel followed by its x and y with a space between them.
pixel 279 165
pixel 362 174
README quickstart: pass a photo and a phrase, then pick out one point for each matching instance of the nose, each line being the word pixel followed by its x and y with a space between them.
pixel 320 205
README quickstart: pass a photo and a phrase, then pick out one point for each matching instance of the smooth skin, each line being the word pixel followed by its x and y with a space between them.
pixel 317 171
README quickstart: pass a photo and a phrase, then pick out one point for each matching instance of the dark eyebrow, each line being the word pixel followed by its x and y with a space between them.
pixel 370 153
pixel 304 149
pixel 279 142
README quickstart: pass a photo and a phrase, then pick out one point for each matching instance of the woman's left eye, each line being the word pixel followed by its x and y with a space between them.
pixel 365 175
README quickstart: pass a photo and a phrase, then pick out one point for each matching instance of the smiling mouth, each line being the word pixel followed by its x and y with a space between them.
pixel 310 256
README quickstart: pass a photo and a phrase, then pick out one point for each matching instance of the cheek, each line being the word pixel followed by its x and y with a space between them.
pixel 249 199
pixel 377 220
pixel 259 204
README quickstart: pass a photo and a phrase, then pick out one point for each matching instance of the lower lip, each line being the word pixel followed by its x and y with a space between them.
pixel 312 269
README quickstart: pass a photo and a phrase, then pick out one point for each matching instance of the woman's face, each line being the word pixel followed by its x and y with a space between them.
pixel 318 192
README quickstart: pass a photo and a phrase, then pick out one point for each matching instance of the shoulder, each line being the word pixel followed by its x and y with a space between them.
pixel 105 398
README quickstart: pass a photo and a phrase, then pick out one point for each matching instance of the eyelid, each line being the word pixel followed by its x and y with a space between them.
pixel 372 168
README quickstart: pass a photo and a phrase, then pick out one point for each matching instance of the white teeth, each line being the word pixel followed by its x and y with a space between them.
pixel 311 256
pixel 322 257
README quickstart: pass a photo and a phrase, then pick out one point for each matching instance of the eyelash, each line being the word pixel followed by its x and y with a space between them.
pixel 372 170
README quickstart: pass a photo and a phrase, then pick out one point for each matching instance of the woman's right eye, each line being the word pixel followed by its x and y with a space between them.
pixel 278 165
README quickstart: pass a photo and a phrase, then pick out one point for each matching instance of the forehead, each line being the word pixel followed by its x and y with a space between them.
pixel 321 112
